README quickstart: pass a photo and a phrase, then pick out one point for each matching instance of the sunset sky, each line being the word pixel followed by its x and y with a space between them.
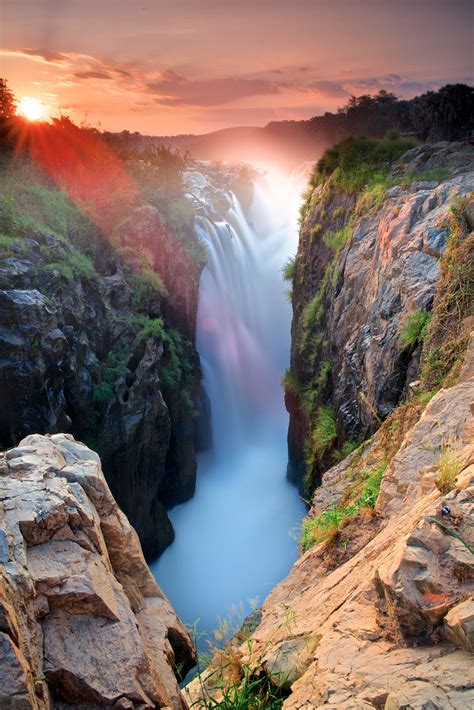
pixel 192 66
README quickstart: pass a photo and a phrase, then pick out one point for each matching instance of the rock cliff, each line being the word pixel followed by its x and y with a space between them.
pixel 82 622
pixel 378 611
pixel 93 343
pixel 368 260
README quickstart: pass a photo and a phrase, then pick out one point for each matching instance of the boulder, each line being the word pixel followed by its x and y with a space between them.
pixel 82 622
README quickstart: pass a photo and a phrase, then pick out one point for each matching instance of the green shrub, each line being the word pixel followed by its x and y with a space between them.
pixel 62 267
pixel 414 328
pixel 101 392
pixel 289 269
pixel 150 327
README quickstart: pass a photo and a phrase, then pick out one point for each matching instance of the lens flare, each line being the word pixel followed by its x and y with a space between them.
pixel 31 108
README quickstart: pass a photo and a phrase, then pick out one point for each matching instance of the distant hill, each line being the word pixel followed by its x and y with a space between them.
pixel 447 114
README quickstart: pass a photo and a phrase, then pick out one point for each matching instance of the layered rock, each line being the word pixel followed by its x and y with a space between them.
pixel 386 267
pixel 82 621
pixel 392 626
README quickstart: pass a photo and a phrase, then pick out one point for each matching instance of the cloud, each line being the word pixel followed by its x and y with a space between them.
pixel 211 92
pixel 332 89
pixel 49 56
pixel 92 74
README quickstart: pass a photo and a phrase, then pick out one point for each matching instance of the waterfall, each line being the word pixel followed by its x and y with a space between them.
pixel 234 539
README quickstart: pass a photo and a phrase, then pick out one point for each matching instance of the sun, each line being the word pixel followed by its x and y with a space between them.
pixel 31 108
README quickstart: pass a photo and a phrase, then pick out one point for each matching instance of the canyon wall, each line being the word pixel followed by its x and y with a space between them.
pixel 94 343
pixel 367 261
pixel 378 610
pixel 83 623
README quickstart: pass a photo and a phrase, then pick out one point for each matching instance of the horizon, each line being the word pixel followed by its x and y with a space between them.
pixel 150 68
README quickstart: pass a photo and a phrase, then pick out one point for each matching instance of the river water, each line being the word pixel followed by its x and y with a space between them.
pixel 236 538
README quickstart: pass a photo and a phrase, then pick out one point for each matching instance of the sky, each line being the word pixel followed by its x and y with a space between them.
pixel 166 67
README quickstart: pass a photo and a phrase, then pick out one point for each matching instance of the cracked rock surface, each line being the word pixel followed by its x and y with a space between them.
pixel 82 621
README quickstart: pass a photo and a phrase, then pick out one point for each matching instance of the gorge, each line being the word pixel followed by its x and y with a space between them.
pixel 111 320
pixel 243 506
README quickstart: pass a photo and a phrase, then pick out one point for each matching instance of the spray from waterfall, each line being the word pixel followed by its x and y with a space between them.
pixel 233 539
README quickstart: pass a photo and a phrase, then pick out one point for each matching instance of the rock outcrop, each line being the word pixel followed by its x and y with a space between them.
pixel 392 626
pixel 365 263
pixel 82 622
pixel 72 358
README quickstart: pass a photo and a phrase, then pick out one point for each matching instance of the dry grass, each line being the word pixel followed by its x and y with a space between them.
pixel 449 467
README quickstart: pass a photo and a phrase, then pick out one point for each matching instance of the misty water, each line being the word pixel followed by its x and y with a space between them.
pixel 237 537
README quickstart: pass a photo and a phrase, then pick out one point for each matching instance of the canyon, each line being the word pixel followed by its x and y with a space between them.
pixel 377 611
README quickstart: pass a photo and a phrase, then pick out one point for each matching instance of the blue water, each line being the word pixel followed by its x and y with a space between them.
pixel 237 537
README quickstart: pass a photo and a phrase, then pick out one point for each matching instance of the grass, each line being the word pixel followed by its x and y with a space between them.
pixel 448 332
pixel 74 265
pixel 449 467
pixel 322 436
pixel 414 328
pixel 336 240
pixel 289 269
pixel 315 230
pixel 250 692
pixel 327 524
pixel 358 162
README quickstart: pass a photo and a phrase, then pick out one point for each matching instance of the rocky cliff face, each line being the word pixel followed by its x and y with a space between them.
pixel 378 611
pixel 366 263
pixel 82 622
pixel 379 614
pixel 79 352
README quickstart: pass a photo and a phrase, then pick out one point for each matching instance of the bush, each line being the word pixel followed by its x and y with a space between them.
pixel 101 392
pixel 414 328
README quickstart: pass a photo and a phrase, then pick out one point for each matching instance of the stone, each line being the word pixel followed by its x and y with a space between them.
pixel 459 625
pixel 390 626
pixel 79 606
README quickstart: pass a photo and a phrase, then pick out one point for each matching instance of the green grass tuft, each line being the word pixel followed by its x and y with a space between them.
pixel 414 328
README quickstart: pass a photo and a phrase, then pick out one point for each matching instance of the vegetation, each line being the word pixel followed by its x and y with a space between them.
pixel 327 524
pixel 289 269
pixel 447 334
pixel 322 436
pixel 449 467
pixel 74 265
pixel 436 115
pixel 248 691
pixel 359 162
pixel 336 240
pixel 414 328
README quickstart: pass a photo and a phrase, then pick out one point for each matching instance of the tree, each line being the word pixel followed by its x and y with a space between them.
pixel 7 100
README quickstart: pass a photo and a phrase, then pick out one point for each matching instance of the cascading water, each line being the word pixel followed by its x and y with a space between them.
pixel 234 539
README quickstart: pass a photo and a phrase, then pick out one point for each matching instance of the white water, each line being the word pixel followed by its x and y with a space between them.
pixel 237 537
